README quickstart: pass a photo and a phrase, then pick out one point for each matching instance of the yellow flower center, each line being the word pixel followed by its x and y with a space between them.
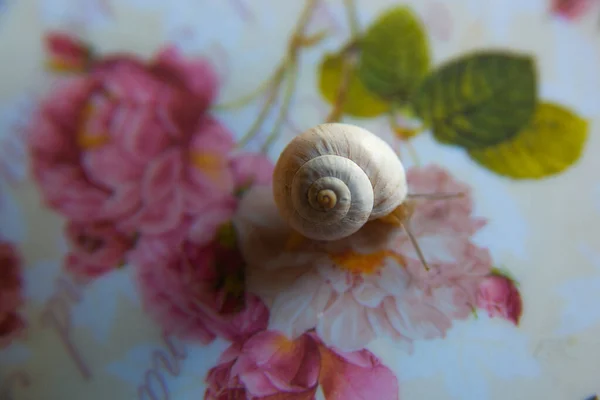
pixel 358 263
pixel 294 241
pixel 213 165
pixel 85 139
pixel 400 215
pixel 285 345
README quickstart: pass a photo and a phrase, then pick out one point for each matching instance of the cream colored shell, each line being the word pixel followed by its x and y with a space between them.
pixel 330 180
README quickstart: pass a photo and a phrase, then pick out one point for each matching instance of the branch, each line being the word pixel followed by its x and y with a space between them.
pixel 350 58
pixel 288 63
pixel 262 115
pixel 349 66
pixel 283 112
pixel 350 7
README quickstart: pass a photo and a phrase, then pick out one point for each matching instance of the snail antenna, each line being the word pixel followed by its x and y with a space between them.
pixel 436 196
pixel 415 244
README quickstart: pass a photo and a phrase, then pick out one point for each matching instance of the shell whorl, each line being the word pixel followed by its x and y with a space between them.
pixel 330 180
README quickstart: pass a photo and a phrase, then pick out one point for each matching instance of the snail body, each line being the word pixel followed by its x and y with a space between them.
pixel 330 180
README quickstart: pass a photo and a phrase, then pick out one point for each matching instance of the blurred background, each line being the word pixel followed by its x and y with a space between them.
pixel 98 96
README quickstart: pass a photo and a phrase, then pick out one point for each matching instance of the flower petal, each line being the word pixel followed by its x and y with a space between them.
pixel 293 313
pixel 158 217
pixel 162 175
pixel 345 324
pixel 197 75
pixel 344 380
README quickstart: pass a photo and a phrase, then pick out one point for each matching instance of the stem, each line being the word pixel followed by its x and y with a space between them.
pixel 436 196
pixel 283 112
pixel 350 7
pixel 305 17
pixel 242 101
pixel 338 106
pixel 288 62
pixel 350 55
pixel 413 154
pixel 395 127
pixel 274 91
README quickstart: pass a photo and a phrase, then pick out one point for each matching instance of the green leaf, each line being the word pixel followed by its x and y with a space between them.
pixel 358 102
pixel 549 144
pixel 478 100
pixel 395 55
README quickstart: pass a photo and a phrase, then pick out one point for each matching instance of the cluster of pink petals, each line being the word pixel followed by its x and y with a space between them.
pixel 192 283
pixel 270 366
pixel 128 148
pixel 572 9
pixel 309 287
pixel 11 294
pixel 124 143
pixel 499 296
pixel 192 278
pixel 95 249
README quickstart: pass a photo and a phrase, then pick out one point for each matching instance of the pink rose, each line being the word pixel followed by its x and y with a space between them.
pixel 500 298
pixel 11 296
pixel 95 249
pixel 266 365
pixel 355 376
pixel 192 280
pixel 131 142
pixel 270 366
pixel 66 53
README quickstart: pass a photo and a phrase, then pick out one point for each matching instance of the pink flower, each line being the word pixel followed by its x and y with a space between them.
pixel 95 249
pixel 192 280
pixel 355 376
pixel 132 143
pixel 66 53
pixel 572 9
pixel 500 298
pixel 271 366
pixel 371 283
pixel 267 364
pixel 11 296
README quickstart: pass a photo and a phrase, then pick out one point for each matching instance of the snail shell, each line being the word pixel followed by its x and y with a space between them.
pixel 330 180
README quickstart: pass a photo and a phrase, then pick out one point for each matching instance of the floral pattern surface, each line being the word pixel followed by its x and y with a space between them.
pixel 141 252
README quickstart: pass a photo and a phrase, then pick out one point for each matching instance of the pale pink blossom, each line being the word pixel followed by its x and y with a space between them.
pixel 372 283
pixel 132 142
pixel 499 296
pixel 11 294
pixel 450 217
pixel 95 249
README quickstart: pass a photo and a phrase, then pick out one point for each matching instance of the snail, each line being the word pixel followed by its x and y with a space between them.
pixel 333 178
pixel 330 180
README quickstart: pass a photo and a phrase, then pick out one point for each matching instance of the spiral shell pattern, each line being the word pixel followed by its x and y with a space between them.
pixel 330 180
